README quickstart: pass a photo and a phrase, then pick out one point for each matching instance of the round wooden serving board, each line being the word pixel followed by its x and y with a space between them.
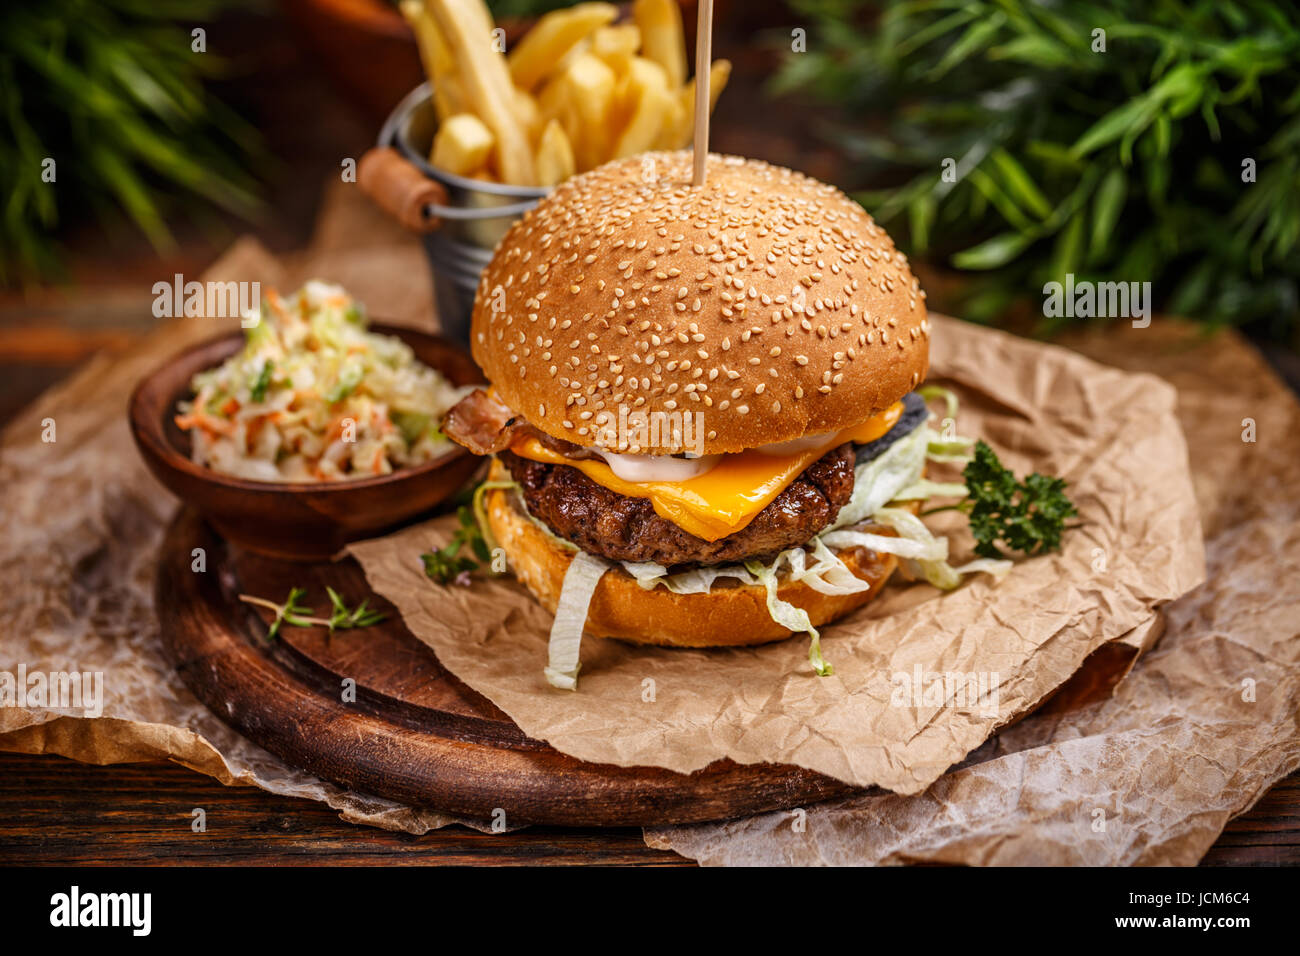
pixel 415 734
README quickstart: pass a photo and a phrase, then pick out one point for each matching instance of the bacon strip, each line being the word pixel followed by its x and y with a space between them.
pixel 481 423
pixel 486 426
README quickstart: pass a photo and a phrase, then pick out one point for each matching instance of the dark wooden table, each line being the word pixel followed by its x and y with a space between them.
pixel 53 810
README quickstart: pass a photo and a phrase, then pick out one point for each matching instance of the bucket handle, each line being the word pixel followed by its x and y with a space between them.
pixel 419 203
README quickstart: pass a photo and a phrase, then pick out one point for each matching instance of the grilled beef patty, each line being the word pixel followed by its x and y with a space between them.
pixel 615 526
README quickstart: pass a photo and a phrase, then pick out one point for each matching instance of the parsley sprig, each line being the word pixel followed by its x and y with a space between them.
pixel 342 618
pixel 1026 516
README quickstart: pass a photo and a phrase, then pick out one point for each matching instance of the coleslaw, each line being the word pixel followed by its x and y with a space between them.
pixel 315 396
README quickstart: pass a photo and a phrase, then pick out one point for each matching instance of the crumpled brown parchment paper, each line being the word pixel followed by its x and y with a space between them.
pixel 880 719
pixel 1199 730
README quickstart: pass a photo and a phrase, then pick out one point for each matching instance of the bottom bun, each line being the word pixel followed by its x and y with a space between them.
pixel 731 615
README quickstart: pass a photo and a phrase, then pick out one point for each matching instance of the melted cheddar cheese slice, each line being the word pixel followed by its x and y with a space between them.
pixel 727 497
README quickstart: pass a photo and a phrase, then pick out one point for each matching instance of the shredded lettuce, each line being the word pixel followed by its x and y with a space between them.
pixel 788 616
pixel 580 580
pixel 946 448
pixel 479 508
pixel 650 575
pixel 936 549
pixel 647 573
pixel 924 488
pixel 999 568
pixel 827 574
pixel 954 451
pixel 933 563
pixel 931 392
pixel 878 482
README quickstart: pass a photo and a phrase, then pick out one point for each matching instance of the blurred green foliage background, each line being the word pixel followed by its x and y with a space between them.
pixel 1122 165
pixel 114 92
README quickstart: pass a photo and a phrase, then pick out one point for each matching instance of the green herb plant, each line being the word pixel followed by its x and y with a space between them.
pixel 104 108
pixel 450 564
pixel 1027 516
pixel 1117 140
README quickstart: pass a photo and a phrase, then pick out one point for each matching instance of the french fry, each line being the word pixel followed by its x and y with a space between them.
pixel 462 145
pixel 555 103
pixel 577 91
pixel 662 39
pixel 448 98
pixel 555 161
pixel 625 100
pixel 439 62
pixel 466 26
pixel 616 45
pixel 530 115
pixel 590 87
pixel 676 125
pixel 648 87
pixel 434 52
pixel 680 136
pixel 553 36
pixel 581 48
pixel 719 73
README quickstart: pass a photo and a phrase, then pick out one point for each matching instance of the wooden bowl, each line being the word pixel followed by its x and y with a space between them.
pixel 297 521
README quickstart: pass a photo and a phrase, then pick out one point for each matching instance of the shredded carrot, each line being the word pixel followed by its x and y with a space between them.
pixel 197 419
pixel 273 297
pixel 231 406
pixel 254 429
pixel 379 461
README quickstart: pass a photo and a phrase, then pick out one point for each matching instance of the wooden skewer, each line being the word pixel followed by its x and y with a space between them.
pixel 703 57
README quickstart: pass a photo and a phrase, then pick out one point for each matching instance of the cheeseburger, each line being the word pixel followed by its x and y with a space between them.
pixel 702 415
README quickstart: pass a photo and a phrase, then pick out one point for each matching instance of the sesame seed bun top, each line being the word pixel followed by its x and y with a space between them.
pixel 767 301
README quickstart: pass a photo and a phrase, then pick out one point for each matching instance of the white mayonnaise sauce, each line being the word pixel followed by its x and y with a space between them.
pixel 642 468
pixel 796 446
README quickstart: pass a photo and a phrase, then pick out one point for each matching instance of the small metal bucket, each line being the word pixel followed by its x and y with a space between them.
pixel 471 222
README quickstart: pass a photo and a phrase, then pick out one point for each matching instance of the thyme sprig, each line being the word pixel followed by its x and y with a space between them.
pixel 342 618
